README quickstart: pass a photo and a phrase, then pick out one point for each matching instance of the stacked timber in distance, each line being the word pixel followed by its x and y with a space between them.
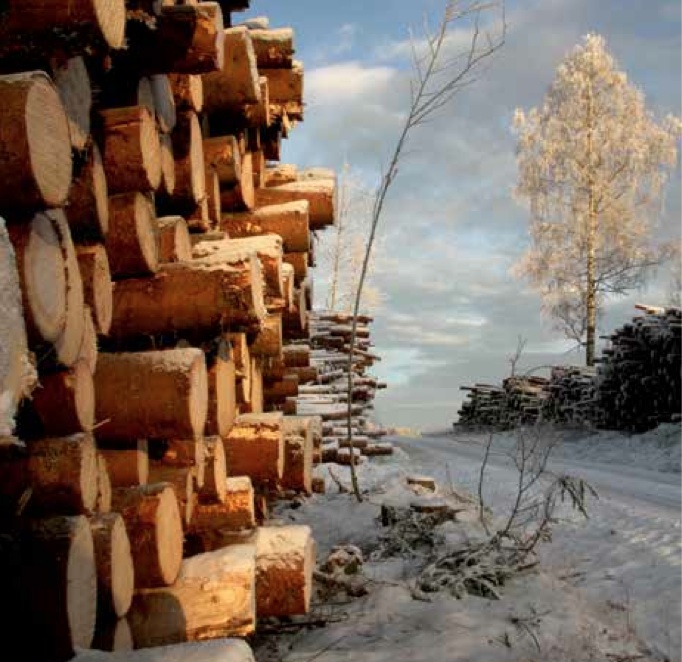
pixel 320 367
pixel 148 336
pixel 638 375
pixel 634 388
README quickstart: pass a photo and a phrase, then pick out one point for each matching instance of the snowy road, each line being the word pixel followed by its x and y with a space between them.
pixel 626 558
pixel 660 493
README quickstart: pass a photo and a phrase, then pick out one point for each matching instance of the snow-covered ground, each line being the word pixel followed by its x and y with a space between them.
pixel 608 588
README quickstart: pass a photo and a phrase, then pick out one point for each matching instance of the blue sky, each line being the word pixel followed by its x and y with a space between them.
pixel 451 231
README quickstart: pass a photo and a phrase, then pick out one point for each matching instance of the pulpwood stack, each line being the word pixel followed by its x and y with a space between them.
pixel 319 366
pixel 155 264
pixel 635 386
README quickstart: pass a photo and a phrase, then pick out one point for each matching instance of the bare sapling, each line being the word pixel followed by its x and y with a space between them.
pixel 439 75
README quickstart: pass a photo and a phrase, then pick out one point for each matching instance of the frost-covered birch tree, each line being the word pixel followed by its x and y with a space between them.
pixel 592 163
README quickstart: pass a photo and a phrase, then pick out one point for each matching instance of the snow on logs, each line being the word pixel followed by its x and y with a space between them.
pixel 202 296
pixel 214 596
pixel 166 394
pixel 290 220
pixel 236 83
pixel 219 650
pixel 16 371
pixel 255 447
pixel 285 560
pixel 320 194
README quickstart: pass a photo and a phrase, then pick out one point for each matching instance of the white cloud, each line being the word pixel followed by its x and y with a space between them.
pixel 347 82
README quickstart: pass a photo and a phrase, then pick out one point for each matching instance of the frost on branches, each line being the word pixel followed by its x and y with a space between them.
pixel 592 164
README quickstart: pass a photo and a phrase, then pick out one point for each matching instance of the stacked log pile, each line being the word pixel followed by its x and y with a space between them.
pixel 571 400
pixel 154 268
pixel 319 366
pixel 634 388
pixel 518 401
pixel 639 373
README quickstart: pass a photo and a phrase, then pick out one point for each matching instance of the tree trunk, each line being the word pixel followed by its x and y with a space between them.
pixel 188 152
pixel 96 19
pixel 187 39
pixel 255 447
pixel 241 197
pixel 236 83
pixel 97 288
pixel 222 154
pixel 212 597
pixel 285 560
pixel 197 297
pixel 222 397
pixel 115 572
pixel 42 274
pixel 164 102
pixel 73 84
pixel 132 242
pixel 291 221
pixel 132 152
pixel 181 479
pixel 274 49
pixel 242 362
pixel 299 261
pixel 103 504
pixel 65 401
pixel 320 194
pixel 57 599
pixel 34 140
pixel 175 244
pixel 161 394
pixel 268 248
pixel 234 513
pixel 188 91
pixel 214 488
pixel 88 205
pixel 282 173
pixel 128 468
pixel 268 341
pixel 152 520
pixel 63 475
pixel 167 165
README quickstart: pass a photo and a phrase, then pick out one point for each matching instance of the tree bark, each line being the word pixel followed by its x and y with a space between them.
pixel 175 244
pixel 222 396
pixel 236 83
pixel 132 242
pixel 274 49
pixel 255 447
pixel 212 597
pixel 320 194
pixel 202 298
pixel 65 401
pixel 188 91
pixel 285 560
pixel 63 476
pixel 165 393
pixel 187 39
pixel 290 220
pixel 132 152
